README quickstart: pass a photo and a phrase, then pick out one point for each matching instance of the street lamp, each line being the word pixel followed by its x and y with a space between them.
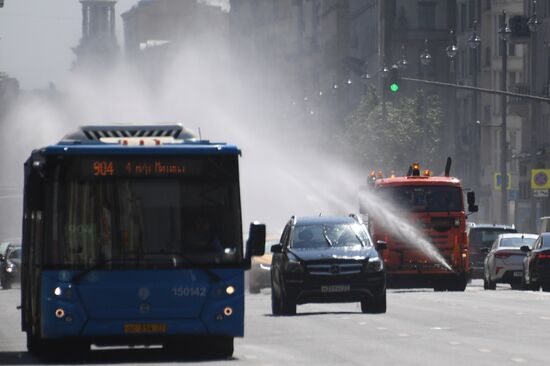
pixel 533 24
pixel 451 50
pixel 504 34
pixel 402 63
pixel 533 21
pixel 425 57
pixel 474 42
pixel 365 77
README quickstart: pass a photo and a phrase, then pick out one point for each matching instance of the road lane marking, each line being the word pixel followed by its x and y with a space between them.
pixel 454 343
pixel 484 350
pixel 402 335
pixel 362 323
pixel 519 360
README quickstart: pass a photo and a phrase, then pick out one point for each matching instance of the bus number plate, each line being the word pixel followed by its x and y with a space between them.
pixel 144 328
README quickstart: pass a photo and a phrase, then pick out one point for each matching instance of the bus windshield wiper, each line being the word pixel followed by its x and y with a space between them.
pixel 80 275
pixel 185 259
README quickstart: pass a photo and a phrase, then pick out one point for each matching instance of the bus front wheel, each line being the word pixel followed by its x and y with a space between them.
pixel 223 346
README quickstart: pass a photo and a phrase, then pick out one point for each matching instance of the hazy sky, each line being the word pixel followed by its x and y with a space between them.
pixel 36 37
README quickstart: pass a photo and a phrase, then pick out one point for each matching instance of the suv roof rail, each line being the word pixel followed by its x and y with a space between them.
pixel 293 219
pixel 356 218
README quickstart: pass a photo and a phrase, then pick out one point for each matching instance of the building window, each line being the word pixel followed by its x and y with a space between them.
pixel 462 17
pixel 426 14
pixel 487 56
pixel 487 113
pixel 471 13
pixel 512 49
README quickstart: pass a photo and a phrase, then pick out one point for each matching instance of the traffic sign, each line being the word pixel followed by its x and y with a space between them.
pixel 540 178
pixel 540 193
pixel 497 181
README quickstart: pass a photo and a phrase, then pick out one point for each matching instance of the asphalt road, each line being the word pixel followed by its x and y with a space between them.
pixel 421 327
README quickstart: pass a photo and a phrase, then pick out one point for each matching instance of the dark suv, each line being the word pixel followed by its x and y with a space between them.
pixel 10 264
pixel 481 237
pixel 327 259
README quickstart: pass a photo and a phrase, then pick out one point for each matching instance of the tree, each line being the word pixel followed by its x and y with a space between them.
pixel 410 132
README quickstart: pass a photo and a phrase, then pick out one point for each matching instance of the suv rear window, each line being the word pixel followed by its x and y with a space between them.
pixel 484 237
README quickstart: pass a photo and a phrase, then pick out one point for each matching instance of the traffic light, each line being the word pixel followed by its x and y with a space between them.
pixel 394 79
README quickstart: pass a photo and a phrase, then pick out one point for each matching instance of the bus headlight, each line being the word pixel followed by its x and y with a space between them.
pixel 57 291
pixel 65 292
pixel 230 290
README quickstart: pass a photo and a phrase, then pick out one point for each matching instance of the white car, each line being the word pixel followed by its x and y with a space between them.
pixel 504 261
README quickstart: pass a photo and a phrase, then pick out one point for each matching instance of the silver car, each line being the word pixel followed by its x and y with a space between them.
pixel 504 261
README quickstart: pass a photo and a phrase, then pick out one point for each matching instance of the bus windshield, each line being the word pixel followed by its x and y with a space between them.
pixel 144 222
pixel 425 198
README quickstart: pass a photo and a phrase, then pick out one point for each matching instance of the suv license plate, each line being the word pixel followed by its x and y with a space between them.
pixel 518 274
pixel 335 288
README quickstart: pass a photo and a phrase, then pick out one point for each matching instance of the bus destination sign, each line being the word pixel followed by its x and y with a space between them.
pixel 133 168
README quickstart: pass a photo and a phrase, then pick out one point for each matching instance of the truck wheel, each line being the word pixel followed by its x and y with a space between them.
pixel 459 284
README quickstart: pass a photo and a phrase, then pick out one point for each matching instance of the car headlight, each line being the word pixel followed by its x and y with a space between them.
pixel 293 267
pixel 10 267
pixel 375 264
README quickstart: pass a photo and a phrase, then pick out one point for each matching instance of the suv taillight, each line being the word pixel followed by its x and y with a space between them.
pixel 503 254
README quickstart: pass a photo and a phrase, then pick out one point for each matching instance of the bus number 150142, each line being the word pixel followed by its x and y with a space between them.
pixel 189 291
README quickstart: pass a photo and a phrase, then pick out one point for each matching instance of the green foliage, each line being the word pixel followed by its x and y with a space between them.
pixel 410 132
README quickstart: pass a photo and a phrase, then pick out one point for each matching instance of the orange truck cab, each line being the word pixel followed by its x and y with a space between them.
pixel 422 220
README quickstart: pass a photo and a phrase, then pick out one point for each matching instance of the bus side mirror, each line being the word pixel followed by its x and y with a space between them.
pixel 471 197
pixel 255 245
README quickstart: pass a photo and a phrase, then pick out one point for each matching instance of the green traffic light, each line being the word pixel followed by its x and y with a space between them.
pixel 394 87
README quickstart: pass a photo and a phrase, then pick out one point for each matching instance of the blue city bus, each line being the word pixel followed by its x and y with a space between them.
pixel 132 235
